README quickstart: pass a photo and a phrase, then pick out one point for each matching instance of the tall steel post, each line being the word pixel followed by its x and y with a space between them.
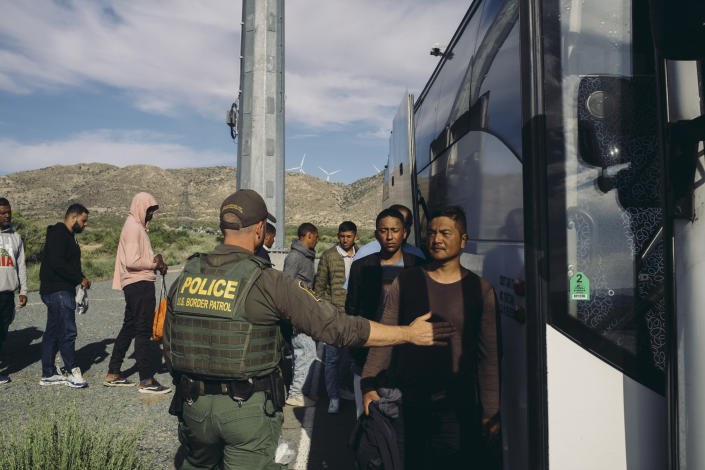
pixel 260 150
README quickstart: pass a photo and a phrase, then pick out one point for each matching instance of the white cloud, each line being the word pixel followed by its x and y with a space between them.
pixel 380 133
pixel 104 146
pixel 347 61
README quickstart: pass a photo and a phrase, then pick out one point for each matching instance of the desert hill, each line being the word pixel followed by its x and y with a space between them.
pixel 187 193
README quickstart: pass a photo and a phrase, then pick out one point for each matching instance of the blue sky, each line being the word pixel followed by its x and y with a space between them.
pixel 125 82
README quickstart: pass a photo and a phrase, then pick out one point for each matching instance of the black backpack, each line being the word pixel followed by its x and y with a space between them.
pixel 374 442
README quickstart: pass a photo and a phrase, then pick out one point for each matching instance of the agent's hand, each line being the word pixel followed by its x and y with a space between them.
pixel 368 398
pixel 425 333
pixel 23 301
pixel 86 283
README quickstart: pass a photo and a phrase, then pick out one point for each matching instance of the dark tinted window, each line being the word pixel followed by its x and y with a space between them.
pixel 425 127
pixel 448 96
pixel 605 212
pixel 497 72
pixel 483 176
pixel 454 78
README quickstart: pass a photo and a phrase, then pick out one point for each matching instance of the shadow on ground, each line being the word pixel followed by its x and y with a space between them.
pixel 329 443
pixel 19 352
pixel 93 353
pixel 21 349
pixel 156 360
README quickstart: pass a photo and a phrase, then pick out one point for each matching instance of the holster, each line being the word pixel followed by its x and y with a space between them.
pixel 189 390
pixel 176 408
pixel 277 391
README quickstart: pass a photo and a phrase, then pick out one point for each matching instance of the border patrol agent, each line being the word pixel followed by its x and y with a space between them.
pixel 222 342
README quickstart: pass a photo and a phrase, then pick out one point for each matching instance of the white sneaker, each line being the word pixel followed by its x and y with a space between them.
pixel 75 379
pixel 333 406
pixel 53 380
pixel 300 400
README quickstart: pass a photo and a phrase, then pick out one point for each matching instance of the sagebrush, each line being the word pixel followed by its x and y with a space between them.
pixel 62 439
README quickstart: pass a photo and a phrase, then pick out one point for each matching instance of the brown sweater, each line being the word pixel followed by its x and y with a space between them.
pixel 446 301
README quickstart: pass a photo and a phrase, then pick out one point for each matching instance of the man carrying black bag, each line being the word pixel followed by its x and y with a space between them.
pixel 222 342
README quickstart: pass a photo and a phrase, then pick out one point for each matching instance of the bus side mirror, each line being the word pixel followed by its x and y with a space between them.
pixel 679 28
pixel 605 128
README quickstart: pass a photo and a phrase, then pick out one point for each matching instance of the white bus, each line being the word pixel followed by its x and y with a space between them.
pixel 552 124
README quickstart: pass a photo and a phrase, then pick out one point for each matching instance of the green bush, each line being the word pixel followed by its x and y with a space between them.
pixel 61 439
pixel 33 235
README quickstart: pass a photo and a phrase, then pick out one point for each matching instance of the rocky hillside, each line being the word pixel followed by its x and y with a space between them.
pixel 187 193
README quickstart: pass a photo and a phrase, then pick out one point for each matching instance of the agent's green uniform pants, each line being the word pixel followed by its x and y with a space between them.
pixel 215 429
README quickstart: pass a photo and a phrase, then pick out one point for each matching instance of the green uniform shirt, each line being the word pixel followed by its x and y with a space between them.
pixel 277 297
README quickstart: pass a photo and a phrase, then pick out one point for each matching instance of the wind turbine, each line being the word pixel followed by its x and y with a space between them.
pixel 375 167
pixel 328 174
pixel 300 168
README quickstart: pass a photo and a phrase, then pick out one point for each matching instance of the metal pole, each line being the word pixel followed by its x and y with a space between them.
pixel 260 150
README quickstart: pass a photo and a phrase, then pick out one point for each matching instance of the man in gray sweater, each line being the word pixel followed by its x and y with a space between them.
pixel 299 265
pixel 13 274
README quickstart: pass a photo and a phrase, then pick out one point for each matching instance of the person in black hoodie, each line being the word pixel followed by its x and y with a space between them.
pixel 59 274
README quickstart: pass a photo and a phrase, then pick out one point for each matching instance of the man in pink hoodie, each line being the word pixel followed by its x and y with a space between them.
pixel 135 273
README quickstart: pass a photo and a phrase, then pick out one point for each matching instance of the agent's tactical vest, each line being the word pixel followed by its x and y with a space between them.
pixel 209 336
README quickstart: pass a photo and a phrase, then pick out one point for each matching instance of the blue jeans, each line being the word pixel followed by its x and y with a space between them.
pixel 332 356
pixel 60 332
pixel 304 355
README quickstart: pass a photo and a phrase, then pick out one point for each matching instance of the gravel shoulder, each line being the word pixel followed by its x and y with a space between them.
pixel 97 330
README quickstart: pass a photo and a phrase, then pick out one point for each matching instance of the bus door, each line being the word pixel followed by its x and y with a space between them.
pixel 603 274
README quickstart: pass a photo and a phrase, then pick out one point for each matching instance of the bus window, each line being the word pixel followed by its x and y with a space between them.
pixel 605 213
pixel 455 77
pixel 425 127
pixel 446 97
pixel 496 71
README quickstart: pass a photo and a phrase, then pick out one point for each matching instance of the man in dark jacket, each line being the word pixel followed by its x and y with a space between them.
pixel 299 265
pixel 59 275
pixel 449 391
pixel 263 251
pixel 371 276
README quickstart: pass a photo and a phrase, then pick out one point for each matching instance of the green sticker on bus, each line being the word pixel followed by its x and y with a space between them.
pixel 579 287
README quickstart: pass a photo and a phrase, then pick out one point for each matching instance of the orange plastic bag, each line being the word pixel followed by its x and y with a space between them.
pixel 160 314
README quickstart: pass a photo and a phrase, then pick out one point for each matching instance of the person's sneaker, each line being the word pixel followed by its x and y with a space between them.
pixel 55 379
pixel 75 379
pixel 115 380
pixel 300 400
pixel 4 379
pixel 153 387
pixel 346 394
pixel 334 406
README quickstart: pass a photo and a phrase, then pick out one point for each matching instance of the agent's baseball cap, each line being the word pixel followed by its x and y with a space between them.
pixel 247 205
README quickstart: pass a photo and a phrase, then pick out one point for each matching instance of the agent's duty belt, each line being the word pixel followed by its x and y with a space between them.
pixel 188 390
pixel 255 384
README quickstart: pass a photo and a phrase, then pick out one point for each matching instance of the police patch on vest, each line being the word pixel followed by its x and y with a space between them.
pixel 309 291
pixel 201 294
